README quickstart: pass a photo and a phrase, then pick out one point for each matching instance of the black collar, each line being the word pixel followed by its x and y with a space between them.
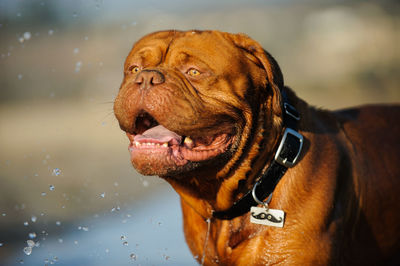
pixel 286 156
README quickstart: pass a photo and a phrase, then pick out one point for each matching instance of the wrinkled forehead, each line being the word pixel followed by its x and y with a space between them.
pixel 160 46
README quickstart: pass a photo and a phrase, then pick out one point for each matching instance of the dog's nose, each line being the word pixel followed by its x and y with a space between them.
pixel 149 78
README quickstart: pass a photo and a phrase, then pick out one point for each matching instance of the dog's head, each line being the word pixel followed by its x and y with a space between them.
pixel 190 99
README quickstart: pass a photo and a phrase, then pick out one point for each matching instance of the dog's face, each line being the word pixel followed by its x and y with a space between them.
pixel 192 98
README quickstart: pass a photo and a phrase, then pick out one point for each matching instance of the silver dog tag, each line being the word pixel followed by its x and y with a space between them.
pixel 271 217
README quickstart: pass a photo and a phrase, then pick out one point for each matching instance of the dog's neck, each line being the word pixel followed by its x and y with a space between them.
pixel 219 188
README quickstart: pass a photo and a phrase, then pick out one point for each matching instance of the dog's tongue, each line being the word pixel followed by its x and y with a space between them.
pixel 159 134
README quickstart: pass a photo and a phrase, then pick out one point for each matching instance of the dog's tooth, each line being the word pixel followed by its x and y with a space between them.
pixel 137 143
pixel 157 144
pixel 188 140
pixel 165 144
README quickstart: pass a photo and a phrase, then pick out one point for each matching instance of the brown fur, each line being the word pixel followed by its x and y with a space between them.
pixel 342 200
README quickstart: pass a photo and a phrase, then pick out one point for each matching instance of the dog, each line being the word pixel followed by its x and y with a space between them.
pixel 263 178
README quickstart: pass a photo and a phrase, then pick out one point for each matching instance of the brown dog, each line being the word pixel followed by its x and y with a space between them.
pixel 208 112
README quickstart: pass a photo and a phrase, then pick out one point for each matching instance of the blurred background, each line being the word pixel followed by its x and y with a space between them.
pixel 68 194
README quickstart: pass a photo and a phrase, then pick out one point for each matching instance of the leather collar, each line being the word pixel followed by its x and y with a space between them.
pixel 286 156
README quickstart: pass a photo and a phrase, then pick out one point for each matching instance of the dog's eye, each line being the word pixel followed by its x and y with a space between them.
pixel 193 72
pixel 134 69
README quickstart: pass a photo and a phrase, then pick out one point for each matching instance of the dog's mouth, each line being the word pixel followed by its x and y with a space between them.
pixel 153 145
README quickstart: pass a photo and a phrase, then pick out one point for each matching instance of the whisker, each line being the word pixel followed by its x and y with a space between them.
pixel 108 115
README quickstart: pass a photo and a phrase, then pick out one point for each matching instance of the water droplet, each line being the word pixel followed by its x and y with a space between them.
pixel 125 243
pixel 55 258
pixel 145 183
pixel 18 14
pixel 27 35
pixel 103 194
pixel 78 66
pixel 133 256
pixel 83 228
pixel 60 240
pixel 3 214
pixel 28 250
pixel 1 244
pixel 107 250
pixel 86 38
pixel 30 243
pixel 76 242
pixel 56 172
pixel 76 50
pixel 21 39
pixel 26 223
pixel 58 223
pixel 51 187
pixel 74 14
pixel 51 32
pixel 116 184
pixel 33 218
pixel 123 237
pixel 20 76
pixel 115 209
pixel 43 194
pixel 32 235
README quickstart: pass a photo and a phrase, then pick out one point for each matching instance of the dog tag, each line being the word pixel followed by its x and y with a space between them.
pixel 271 217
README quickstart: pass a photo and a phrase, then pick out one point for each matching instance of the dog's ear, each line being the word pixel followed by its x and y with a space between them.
pixel 262 58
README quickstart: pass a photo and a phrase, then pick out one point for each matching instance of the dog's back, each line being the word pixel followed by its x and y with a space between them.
pixel 372 135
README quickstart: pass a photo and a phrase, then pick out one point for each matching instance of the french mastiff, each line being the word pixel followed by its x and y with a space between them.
pixel 263 177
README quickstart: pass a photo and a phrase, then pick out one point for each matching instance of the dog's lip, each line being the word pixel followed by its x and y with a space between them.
pixel 179 149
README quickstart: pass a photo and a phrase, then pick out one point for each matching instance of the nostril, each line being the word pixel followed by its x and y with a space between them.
pixel 148 78
pixel 139 79
pixel 157 78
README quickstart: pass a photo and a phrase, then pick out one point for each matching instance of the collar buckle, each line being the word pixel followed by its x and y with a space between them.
pixel 289 149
